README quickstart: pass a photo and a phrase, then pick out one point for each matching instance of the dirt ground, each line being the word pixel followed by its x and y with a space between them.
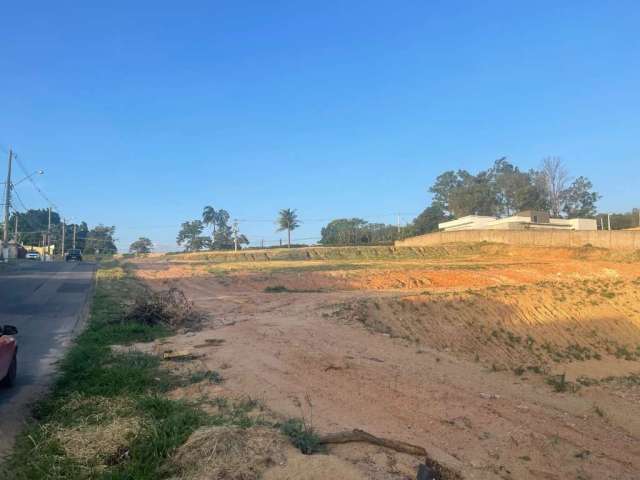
pixel 503 362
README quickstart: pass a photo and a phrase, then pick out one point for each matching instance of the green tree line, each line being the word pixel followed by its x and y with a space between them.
pixel 32 228
pixel 501 190
pixel 619 221
pixel 192 237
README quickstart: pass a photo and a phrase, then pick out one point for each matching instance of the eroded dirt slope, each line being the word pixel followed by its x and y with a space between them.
pixel 457 359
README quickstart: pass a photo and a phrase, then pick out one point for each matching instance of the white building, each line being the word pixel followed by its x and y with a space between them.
pixel 528 219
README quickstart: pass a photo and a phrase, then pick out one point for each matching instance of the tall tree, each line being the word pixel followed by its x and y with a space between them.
pixel 100 240
pixel 142 245
pixel 461 193
pixel 190 235
pixel 352 231
pixel 288 220
pixel 223 237
pixel 579 200
pixel 428 220
pixel 504 189
pixel 476 195
pixel 210 217
pixel 516 190
pixel 444 186
pixel 222 218
pixel 556 177
pixel 242 240
pixel 33 224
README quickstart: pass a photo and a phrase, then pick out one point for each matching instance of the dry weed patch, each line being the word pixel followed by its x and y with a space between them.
pixel 231 453
pixel 170 308
pixel 98 444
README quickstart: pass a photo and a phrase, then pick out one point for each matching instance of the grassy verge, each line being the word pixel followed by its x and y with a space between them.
pixel 106 416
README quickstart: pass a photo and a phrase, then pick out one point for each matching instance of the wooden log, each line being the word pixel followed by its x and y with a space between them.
pixel 357 435
pixel 432 469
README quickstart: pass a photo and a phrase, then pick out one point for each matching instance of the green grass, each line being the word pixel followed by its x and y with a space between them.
pixel 334 253
pixel 96 384
pixel 561 385
pixel 301 436
pixel 210 375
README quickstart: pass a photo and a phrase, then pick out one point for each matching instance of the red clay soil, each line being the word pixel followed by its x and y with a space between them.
pixel 421 364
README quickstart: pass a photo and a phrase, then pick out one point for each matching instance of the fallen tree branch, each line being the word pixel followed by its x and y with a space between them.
pixel 362 436
pixel 432 467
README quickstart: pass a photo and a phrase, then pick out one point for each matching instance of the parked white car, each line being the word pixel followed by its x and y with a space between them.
pixel 32 256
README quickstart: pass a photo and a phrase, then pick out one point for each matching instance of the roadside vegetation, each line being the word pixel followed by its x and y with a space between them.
pixel 107 415
pixel 97 240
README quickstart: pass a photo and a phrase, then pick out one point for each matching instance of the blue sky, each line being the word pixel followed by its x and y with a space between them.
pixel 143 112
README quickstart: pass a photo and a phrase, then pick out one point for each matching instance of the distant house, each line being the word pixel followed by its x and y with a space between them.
pixel 528 219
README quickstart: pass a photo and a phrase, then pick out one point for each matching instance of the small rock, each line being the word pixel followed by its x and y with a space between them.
pixel 425 473
pixel 490 396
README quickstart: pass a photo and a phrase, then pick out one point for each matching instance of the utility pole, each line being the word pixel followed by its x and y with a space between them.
pixel 15 231
pixel 64 228
pixel 49 234
pixel 74 236
pixel 7 203
pixel 235 235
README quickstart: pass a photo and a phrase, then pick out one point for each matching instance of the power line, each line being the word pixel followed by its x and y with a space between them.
pixel 33 183
pixel 255 220
pixel 15 192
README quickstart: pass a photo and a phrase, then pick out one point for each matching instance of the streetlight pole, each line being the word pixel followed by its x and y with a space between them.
pixel 7 203
pixel 37 172
pixel 64 227
pixel 49 234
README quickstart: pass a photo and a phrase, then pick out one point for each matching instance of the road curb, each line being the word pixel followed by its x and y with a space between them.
pixel 83 315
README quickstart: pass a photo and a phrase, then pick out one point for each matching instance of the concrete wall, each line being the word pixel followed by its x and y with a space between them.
pixel 470 222
pixel 10 250
pixel 615 239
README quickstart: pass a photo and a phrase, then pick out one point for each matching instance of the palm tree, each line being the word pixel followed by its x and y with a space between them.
pixel 210 217
pixel 288 220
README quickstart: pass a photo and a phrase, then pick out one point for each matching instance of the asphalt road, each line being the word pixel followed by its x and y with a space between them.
pixel 47 302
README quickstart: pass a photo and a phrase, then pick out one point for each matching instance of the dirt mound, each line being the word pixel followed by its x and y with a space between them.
pixel 444 251
pixel 332 253
pixel 231 453
pixel 455 323
pixel 534 326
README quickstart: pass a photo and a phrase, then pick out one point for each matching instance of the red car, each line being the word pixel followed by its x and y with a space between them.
pixel 8 355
